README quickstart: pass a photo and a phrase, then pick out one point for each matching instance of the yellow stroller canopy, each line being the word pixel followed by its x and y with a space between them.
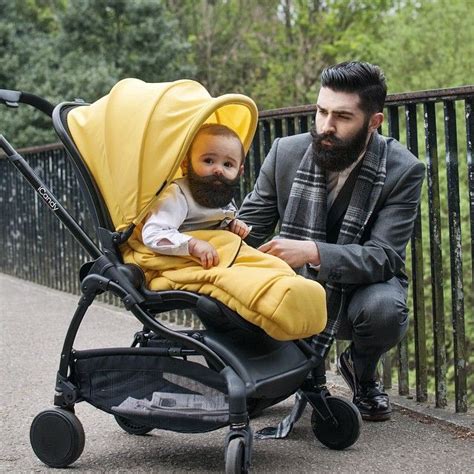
pixel 134 139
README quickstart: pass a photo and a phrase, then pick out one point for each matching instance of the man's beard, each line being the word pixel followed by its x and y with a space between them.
pixel 342 153
pixel 212 191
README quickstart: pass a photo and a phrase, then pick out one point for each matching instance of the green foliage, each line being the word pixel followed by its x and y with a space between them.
pixel 426 45
pixel 132 39
pixel 272 50
pixel 61 50
pixel 25 36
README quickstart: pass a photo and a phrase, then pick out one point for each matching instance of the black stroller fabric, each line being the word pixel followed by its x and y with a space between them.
pixel 153 390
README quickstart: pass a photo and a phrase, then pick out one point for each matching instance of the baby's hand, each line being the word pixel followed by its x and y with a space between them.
pixel 240 228
pixel 204 251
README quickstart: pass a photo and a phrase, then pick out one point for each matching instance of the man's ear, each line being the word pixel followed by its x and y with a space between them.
pixel 241 169
pixel 375 121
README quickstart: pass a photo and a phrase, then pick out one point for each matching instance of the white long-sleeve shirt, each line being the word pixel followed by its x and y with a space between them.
pixel 175 212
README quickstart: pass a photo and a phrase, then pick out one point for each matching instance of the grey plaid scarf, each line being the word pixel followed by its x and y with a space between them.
pixel 306 213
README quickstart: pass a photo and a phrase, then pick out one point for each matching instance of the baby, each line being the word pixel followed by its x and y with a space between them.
pixel 202 199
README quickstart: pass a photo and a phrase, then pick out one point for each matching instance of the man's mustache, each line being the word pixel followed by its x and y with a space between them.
pixel 327 137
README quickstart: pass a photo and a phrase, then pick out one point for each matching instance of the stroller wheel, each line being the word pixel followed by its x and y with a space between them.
pixel 235 457
pixel 131 427
pixel 349 422
pixel 57 437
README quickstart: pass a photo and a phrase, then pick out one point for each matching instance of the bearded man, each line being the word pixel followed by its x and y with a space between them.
pixel 346 199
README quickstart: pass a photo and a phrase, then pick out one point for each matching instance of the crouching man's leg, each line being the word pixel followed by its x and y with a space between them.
pixel 378 318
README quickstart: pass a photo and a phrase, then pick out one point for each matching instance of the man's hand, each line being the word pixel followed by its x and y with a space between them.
pixel 240 228
pixel 295 253
pixel 204 251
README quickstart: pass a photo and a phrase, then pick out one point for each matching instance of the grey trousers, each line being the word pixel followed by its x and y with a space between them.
pixel 376 320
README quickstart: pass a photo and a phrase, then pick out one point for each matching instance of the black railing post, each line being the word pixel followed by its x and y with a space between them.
pixel 434 205
pixel 290 126
pixel 267 136
pixel 418 274
pixel 393 122
pixel 257 159
pixel 470 173
pixel 278 128
pixel 403 355
pixel 457 286
pixel 303 122
pixel 394 132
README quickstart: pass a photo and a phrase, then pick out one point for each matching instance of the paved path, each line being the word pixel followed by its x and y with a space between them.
pixel 33 322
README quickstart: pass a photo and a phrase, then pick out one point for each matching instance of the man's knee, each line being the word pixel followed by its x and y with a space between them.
pixel 378 313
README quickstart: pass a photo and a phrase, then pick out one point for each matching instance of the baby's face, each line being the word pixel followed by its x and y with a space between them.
pixel 216 155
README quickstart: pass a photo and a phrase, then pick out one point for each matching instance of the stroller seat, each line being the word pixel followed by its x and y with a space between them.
pixel 268 366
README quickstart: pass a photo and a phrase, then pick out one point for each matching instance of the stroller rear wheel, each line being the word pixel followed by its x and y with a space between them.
pixel 131 427
pixel 346 432
pixel 57 437
pixel 235 457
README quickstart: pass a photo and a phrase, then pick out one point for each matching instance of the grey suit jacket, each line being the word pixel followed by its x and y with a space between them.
pixel 381 253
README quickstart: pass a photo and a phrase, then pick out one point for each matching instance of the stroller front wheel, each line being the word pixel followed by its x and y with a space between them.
pixel 131 427
pixel 57 437
pixel 346 432
pixel 235 457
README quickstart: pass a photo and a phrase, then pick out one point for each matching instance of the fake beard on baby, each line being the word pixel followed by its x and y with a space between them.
pixel 342 153
pixel 212 191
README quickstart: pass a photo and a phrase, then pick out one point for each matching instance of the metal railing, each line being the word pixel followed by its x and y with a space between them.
pixel 441 258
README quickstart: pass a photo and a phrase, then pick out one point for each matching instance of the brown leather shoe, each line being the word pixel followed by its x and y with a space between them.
pixel 372 402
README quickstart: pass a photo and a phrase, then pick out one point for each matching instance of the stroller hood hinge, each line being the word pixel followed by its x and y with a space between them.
pixel 111 239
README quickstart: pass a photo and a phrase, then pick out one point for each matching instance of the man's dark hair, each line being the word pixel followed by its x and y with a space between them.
pixel 364 79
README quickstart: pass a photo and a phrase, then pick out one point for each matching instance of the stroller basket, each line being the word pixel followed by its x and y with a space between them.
pixel 149 389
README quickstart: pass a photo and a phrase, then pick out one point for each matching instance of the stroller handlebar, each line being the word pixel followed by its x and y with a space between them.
pixel 14 98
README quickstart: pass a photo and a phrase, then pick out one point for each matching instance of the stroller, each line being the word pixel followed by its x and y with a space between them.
pixel 189 381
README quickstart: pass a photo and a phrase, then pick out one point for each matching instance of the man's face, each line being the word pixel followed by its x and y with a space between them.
pixel 341 130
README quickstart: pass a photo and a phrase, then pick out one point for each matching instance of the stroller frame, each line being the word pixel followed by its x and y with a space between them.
pixel 335 421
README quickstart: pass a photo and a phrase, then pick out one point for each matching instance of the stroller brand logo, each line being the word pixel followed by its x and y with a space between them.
pixel 49 200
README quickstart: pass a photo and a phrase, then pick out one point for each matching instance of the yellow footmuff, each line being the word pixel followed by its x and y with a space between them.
pixel 133 141
pixel 261 288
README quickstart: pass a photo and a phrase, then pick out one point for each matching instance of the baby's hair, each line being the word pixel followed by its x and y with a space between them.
pixel 216 129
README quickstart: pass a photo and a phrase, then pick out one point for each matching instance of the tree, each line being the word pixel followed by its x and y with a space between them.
pixel 273 50
pixel 63 49
pixel 26 37
pixel 426 45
